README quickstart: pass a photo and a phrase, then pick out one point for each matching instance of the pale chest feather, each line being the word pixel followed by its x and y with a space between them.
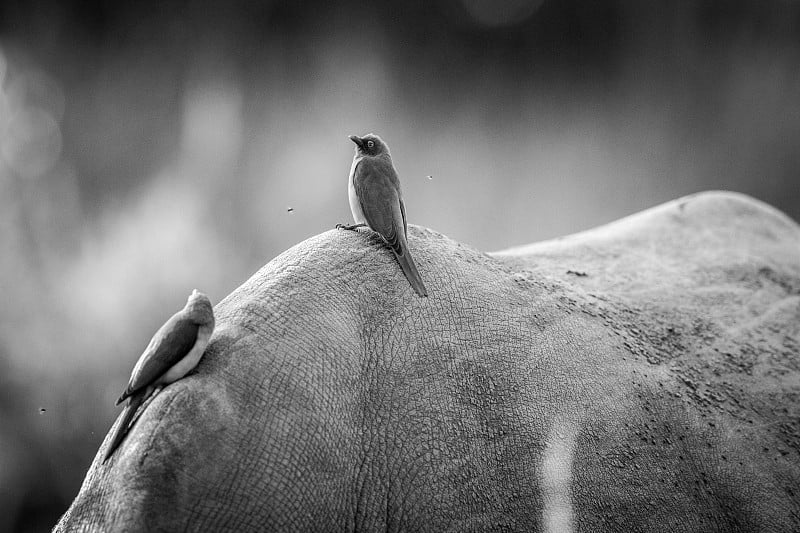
pixel 185 365
pixel 355 204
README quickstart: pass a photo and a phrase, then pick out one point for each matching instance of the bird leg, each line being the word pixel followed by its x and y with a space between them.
pixel 350 226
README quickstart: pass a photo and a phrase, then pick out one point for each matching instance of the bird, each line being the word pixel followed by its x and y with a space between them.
pixel 377 202
pixel 173 352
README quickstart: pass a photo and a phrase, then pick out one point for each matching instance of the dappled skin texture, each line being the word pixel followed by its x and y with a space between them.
pixel 640 376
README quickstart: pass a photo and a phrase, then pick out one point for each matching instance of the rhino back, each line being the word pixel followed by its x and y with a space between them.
pixel 640 376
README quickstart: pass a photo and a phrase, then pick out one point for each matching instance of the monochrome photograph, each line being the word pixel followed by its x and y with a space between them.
pixel 414 266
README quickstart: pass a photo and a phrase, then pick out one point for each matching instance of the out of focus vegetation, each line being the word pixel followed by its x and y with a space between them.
pixel 147 149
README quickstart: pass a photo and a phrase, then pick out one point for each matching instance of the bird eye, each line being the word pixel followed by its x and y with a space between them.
pixel 370 144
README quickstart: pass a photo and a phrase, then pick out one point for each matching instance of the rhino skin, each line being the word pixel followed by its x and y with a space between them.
pixel 640 376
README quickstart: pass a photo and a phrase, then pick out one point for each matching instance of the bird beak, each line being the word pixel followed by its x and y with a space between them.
pixel 356 139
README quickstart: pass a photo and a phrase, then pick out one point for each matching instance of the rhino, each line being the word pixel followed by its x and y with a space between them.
pixel 640 376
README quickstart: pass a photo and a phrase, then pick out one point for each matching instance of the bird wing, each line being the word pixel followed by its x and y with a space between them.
pixel 380 201
pixel 168 346
pixel 378 192
pixel 405 224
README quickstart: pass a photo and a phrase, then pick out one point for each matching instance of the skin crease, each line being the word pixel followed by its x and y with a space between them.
pixel 657 392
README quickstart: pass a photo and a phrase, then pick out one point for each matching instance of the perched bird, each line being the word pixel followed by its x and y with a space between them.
pixel 173 352
pixel 376 202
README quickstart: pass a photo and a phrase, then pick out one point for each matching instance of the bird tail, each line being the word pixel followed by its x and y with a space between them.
pixel 411 272
pixel 124 396
pixel 124 424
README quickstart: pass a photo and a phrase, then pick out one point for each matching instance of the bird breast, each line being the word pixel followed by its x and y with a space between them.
pixel 355 204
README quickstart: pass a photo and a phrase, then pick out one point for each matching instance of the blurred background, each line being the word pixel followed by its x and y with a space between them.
pixel 149 148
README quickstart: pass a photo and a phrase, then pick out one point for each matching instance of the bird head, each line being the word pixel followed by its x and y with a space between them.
pixel 370 144
pixel 200 309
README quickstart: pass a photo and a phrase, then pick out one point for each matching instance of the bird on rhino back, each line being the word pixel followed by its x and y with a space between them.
pixel 642 376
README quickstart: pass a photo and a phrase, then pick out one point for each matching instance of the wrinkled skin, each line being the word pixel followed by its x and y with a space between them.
pixel 660 391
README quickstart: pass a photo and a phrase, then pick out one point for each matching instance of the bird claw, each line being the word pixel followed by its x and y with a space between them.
pixel 349 226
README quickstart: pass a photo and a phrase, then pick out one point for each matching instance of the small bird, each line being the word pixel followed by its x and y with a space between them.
pixel 377 202
pixel 173 352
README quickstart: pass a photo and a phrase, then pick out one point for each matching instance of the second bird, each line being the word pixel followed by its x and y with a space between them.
pixel 376 202
pixel 173 352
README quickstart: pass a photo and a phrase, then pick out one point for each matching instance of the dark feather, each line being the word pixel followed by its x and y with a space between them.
pixel 124 424
pixel 378 191
pixel 169 345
